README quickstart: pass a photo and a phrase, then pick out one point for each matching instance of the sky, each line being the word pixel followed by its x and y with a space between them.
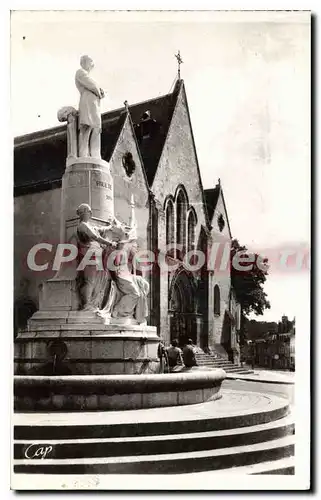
pixel 247 79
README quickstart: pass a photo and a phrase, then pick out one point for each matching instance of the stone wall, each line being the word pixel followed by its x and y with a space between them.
pixel 36 220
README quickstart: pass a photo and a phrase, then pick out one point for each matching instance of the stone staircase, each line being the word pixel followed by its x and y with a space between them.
pixel 214 361
pixel 247 433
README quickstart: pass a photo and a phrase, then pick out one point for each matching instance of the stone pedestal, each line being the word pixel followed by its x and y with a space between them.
pixel 58 295
pixel 86 180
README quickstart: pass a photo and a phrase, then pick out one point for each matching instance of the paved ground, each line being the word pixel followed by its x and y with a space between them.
pixel 283 390
pixel 282 377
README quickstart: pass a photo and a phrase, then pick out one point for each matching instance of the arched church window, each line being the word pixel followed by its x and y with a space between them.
pixel 191 225
pixel 170 225
pixel 221 222
pixel 217 301
pixel 181 209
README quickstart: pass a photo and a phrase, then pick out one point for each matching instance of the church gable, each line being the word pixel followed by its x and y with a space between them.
pixel 217 212
pixel 129 177
pixel 178 163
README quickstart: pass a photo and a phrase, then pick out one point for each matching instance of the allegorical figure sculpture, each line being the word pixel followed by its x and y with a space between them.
pixel 69 114
pixel 129 293
pixel 111 288
pixel 93 282
pixel 89 121
pixel 128 297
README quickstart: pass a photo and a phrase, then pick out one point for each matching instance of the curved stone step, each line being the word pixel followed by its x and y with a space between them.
pixel 177 463
pixel 285 466
pixel 162 444
pixel 282 466
pixel 234 410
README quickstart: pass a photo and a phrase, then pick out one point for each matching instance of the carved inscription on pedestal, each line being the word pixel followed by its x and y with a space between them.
pixel 102 195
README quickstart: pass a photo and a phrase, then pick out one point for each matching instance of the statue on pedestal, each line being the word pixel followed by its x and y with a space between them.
pixel 89 121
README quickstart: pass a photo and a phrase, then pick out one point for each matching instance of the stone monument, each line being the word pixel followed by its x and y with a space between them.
pixel 100 315
pixel 89 347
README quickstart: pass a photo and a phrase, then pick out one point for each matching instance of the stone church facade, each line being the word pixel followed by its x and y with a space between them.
pixel 152 155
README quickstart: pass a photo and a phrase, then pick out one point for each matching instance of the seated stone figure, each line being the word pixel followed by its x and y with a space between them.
pixel 128 296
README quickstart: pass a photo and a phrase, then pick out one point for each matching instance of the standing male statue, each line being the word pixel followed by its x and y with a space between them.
pixel 89 110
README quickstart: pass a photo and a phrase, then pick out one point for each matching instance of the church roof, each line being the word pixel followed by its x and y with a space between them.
pixel 211 198
pixel 40 157
pixel 161 110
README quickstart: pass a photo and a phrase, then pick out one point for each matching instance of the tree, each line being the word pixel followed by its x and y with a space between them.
pixel 248 284
pixel 261 329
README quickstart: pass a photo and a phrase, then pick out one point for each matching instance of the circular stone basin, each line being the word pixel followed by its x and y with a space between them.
pixel 116 392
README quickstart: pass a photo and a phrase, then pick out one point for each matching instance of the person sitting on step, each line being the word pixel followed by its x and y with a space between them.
pixel 174 355
pixel 189 355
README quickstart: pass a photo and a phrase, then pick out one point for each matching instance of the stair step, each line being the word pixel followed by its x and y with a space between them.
pixel 218 362
pixel 215 362
pixel 177 463
pixel 149 445
pixel 224 367
pixel 228 367
pixel 283 466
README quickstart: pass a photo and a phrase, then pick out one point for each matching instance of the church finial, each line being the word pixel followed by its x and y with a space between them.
pixel 179 62
pixel 133 222
pixel 126 106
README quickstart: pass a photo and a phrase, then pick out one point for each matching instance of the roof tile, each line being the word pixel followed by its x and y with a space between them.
pixel 211 198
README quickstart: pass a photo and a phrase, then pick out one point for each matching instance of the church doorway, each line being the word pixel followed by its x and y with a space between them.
pixel 227 334
pixel 182 309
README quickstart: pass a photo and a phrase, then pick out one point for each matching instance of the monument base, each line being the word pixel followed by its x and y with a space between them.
pixel 44 320
pixel 80 344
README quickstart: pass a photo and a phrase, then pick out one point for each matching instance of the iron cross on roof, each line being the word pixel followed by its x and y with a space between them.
pixel 179 61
